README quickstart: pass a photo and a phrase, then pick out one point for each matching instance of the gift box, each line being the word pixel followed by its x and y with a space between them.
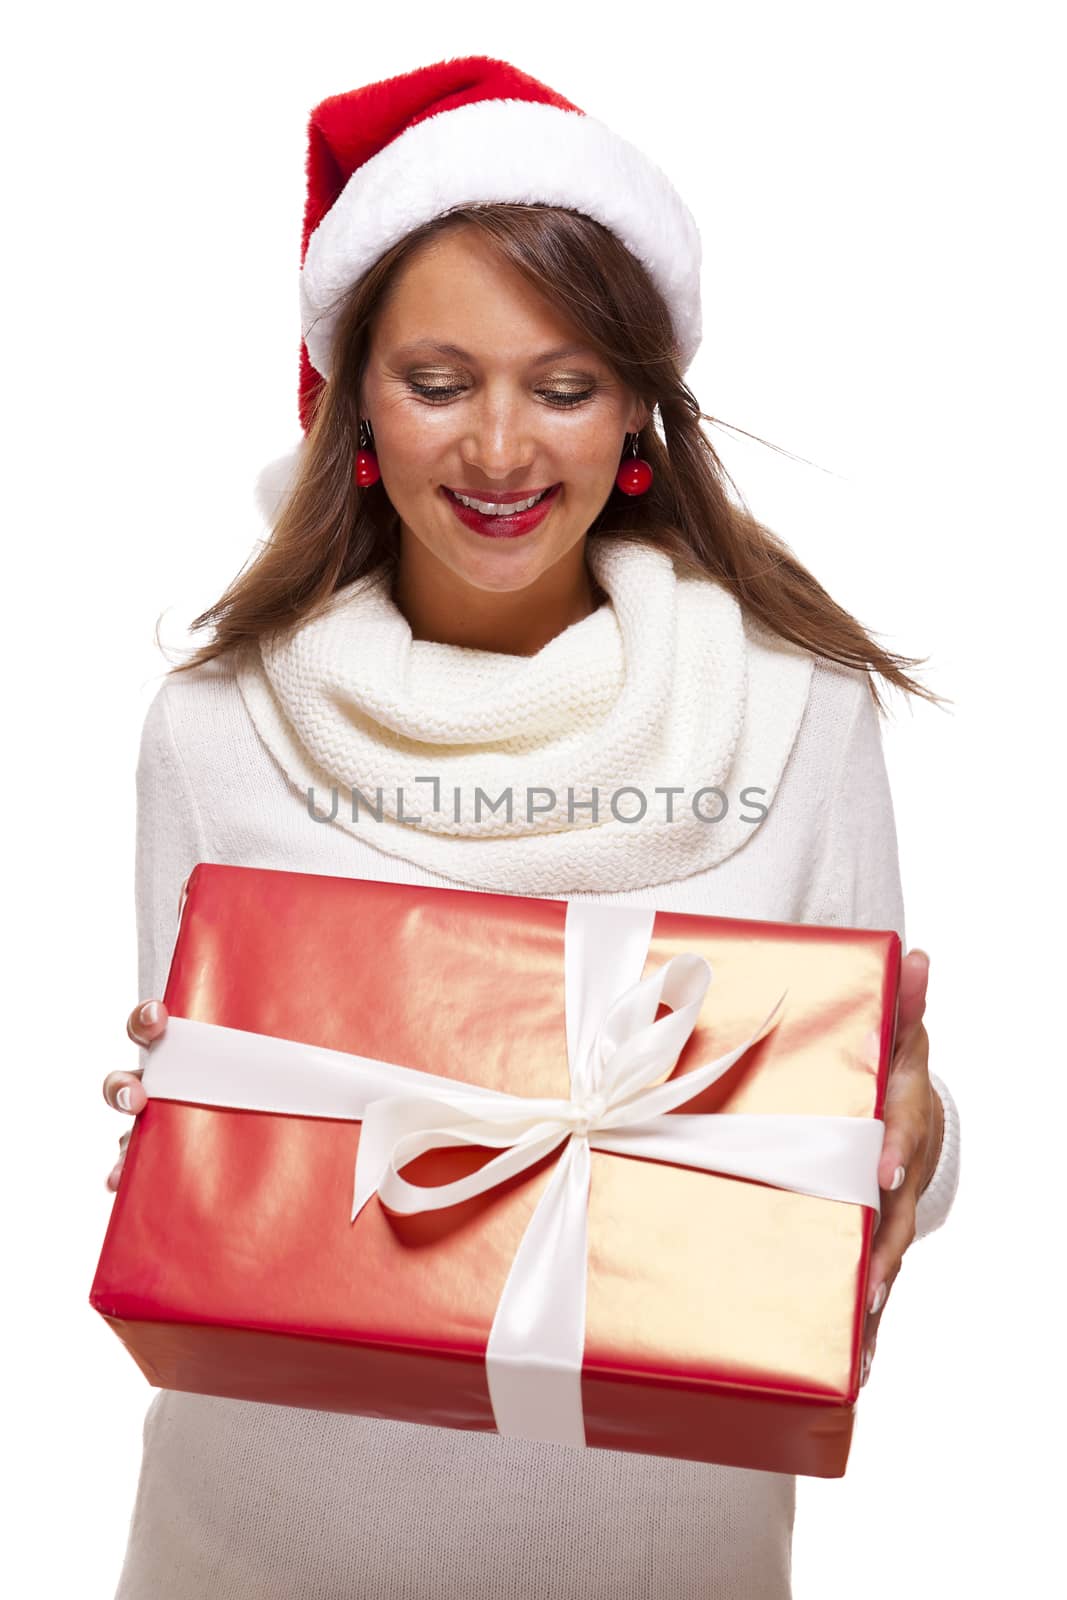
pixel 601 1174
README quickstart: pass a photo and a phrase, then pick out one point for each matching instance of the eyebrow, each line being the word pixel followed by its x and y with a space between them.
pixel 464 355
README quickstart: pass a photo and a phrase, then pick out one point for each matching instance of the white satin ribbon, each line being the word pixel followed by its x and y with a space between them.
pixel 616 1052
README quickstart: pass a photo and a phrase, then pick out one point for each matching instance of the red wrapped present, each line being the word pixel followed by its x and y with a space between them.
pixel 511 1164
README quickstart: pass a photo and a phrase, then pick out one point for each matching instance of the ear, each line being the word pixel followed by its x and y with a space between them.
pixel 640 417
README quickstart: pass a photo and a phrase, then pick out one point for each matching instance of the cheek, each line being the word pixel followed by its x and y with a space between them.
pixel 410 443
pixel 587 452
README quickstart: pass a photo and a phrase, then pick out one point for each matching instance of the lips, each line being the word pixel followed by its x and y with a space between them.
pixel 512 498
pixel 503 525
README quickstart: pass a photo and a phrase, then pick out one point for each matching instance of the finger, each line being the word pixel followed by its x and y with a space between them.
pixel 878 1291
pixel 114 1177
pixel 896 1232
pixel 911 1003
pixel 905 1129
pixel 146 1021
pixel 124 1091
pixel 867 1361
pixel 908 1113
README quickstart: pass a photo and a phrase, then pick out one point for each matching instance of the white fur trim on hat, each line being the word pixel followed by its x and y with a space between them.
pixel 514 151
pixel 276 481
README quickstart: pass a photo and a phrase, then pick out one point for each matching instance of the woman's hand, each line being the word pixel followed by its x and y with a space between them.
pixel 124 1090
pixel 914 1125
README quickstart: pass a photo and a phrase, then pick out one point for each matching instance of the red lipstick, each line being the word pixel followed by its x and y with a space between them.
pixel 503 526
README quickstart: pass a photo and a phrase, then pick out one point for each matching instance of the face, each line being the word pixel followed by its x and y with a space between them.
pixel 516 404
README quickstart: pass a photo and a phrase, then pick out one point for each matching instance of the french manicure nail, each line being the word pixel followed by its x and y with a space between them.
pixel 878 1299
pixel 865 1365
pixel 149 1013
pixel 898 1178
pixel 122 1099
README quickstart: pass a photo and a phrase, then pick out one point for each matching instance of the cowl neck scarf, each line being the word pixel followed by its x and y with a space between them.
pixel 616 757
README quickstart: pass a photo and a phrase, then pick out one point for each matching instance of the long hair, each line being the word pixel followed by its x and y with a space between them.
pixel 329 533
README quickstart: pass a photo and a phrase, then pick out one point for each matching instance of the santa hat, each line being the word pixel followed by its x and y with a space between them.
pixel 384 159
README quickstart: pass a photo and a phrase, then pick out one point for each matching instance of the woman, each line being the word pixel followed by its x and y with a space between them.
pixel 497 294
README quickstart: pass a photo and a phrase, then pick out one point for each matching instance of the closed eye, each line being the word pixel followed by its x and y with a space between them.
pixel 434 393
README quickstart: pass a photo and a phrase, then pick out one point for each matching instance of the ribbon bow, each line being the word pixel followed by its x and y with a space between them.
pixel 617 1051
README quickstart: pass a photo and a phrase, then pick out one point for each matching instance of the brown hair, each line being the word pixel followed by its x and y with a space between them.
pixel 329 533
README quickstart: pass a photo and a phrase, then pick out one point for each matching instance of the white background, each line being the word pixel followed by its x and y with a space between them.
pixel 879 195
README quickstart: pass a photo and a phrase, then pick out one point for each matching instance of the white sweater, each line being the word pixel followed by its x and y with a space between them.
pixel 255 1502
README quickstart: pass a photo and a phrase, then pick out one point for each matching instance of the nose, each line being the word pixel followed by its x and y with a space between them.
pixel 498 443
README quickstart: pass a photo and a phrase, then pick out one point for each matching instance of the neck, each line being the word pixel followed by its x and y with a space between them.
pixel 440 607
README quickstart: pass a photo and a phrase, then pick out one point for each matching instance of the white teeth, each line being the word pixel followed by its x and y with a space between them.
pixel 493 508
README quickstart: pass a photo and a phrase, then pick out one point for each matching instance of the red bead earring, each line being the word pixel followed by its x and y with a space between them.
pixel 367 468
pixel 635 475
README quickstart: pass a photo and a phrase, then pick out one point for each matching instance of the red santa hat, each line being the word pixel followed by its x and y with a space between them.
pixel 386 158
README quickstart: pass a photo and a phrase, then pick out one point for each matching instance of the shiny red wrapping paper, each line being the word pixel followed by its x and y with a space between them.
pixel 724 1317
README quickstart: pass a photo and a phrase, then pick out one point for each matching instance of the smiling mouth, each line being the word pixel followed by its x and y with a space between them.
pixel 498 508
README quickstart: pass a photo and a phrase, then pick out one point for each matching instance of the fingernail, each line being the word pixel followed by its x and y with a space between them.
pixel 122 1099
pixel 113 1176
pixel 878 1299
pixel 898 1178
pixel 149 1013
pixel 865 1365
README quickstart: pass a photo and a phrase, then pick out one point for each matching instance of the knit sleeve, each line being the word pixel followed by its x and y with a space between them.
pixel 169 843
pixel 859 886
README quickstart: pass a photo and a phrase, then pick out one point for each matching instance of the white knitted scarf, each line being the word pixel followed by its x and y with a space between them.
pixel 669 685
